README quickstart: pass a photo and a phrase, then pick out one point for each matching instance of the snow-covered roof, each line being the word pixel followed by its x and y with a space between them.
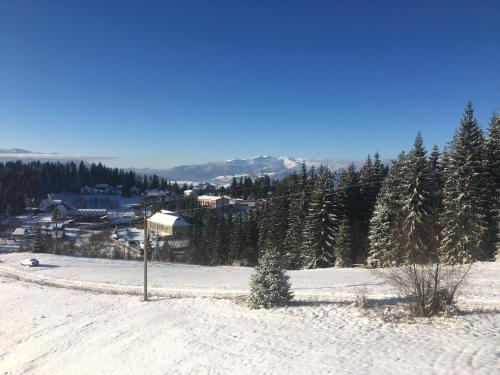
pixel 167 218
pixel 210 197
pixel 157 193
pixel 20 232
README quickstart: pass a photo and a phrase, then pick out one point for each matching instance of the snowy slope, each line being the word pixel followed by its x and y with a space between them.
pixel 56 331
pixel 171 279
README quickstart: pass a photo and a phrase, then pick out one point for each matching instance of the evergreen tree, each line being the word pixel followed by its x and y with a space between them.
pixel 348 197
pixel 269 286
pixel 277 221
pixel 343 244
pixel 416 206
pixel 436 168
pixel 237 242
pixel 385 234
pixel 319 227
pixel 37 240
pixel 492 242
pixel 296 219
pixel 464 200
pixel 370 177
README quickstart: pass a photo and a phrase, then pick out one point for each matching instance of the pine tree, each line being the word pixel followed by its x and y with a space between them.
pixel 296 218
pixel 318 232
pixel 37 240
pixel 370 177
pixel 436 168
pixel 278 221
pixel 385 234
pixel 416 206
pixel 493 214
pixel 464 198
pixel 237 242
pixel 343 244
pixel 347 192
pixel 269 286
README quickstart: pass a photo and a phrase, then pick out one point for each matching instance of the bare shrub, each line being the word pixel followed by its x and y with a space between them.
pixel 429 289
pixel 361 299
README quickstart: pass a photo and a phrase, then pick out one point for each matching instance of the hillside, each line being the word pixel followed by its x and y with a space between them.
pixel 62 330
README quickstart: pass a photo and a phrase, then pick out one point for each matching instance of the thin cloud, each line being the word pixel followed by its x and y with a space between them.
pixel 29 155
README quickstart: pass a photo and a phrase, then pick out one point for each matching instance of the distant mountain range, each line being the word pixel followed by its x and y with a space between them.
pixel 217 172
pixel 222 172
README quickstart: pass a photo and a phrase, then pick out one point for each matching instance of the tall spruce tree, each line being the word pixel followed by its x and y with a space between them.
pixel 343 244
pixel 385 233
pixel 296 218
pixel 417 206
pixel 318 231
pixel 370 177
pixel 465 204
pixel 436 181
pixel 348 205
pixel 237 241
pixel 493 214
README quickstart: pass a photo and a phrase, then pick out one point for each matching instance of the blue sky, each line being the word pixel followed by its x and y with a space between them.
pixel 159 83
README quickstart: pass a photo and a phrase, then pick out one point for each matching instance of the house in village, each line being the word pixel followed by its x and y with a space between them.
pixel 240 205
pixel 168 224
pixel 190 193
pixel 213 201
pixel 157 196
pixel 20 234
pixel 49 203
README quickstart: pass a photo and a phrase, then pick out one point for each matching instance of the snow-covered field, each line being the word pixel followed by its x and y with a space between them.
pixel 173 279
pixel 49 330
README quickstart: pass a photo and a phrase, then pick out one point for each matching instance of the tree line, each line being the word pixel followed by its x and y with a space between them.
pixel 25 184
pixel 425 204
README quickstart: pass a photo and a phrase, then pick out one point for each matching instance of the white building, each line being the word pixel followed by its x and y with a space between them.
pixel 20 233
pixel 168 223
pixel 190 193
pixel 212 201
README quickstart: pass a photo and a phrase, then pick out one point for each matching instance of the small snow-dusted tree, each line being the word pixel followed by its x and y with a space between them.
pixel 269 286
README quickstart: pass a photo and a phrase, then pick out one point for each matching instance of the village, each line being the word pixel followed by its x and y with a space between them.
pixel 101 214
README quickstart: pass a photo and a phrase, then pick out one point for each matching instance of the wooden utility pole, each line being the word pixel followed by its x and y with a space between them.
pixel 146 242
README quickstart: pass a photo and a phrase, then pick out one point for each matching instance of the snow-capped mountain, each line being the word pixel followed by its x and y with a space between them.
pixel 222 172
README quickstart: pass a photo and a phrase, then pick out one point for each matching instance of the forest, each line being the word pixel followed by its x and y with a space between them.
pixel 438 203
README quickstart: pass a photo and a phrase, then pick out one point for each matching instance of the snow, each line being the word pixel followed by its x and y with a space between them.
pixel 168 218
pixel 175 279
pixel 64 330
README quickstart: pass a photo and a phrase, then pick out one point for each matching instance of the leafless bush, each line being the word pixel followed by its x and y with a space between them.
pixel 429 289
pixel 361 299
